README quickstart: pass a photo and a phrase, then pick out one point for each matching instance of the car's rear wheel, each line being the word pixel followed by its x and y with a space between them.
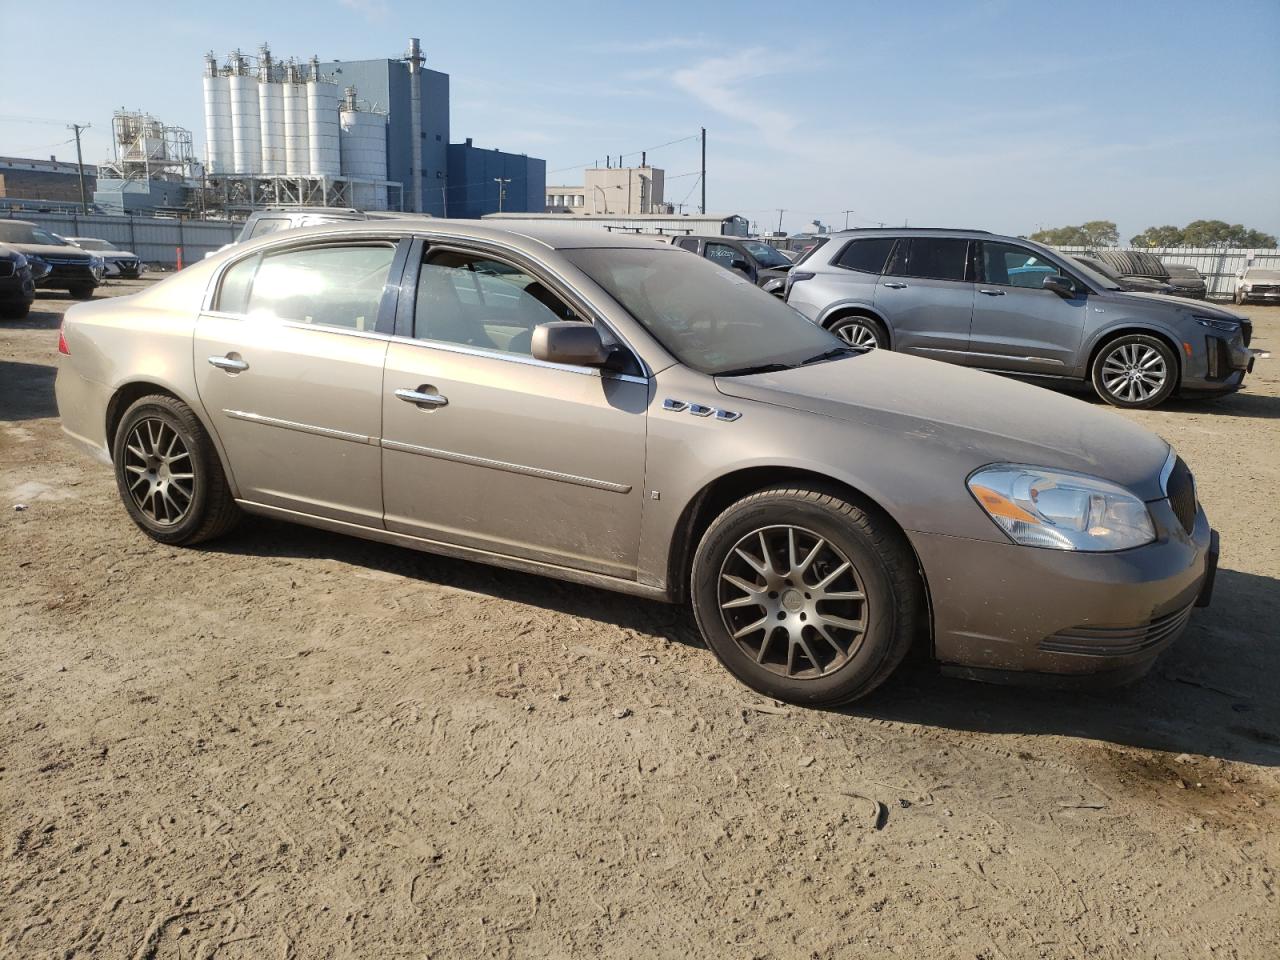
pixel 806 596
pixel 81 292
pixel 169 475
pixel 1135 371
pixel 861 333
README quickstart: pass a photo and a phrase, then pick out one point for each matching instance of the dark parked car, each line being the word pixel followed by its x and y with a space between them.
pixel 69 268
pixel 1187 281
pixel 1017 307
pixel 1132 284
pixel 759 262
pixel 17 288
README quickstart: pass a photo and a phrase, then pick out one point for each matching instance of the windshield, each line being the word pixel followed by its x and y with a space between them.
pixel 711 319
pixel 1256 274
pixel 1096 274
pixel 766 255
pixel 44 236
pixel 1178 270
pixel 84 244
pixel 17 233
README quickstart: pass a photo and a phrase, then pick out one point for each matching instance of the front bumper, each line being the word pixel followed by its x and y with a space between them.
pixel 1005 610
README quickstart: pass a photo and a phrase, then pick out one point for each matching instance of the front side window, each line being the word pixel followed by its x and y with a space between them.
pixel 339 285
pixel 867 255
pixel 477 301
pixel 930 258
pixel 723 254
pixel 715 321
pixel 1010 265
pixel 766 255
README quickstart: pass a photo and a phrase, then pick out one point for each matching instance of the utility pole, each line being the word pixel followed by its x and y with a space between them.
pixel 702 207
pixel 780 213
pixel 502 189
pixel 78 129
pixel 846 218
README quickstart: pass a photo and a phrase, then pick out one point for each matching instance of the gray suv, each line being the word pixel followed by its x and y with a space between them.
pixel 1013 306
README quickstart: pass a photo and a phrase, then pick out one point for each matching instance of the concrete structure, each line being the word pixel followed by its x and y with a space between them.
pixel 610 191
pixel 385 86
pixel 23 179
pixel 473 186
pixel 661 224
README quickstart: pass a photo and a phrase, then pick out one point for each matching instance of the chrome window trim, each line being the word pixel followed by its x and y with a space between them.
pixel 503 465
pixel 300 427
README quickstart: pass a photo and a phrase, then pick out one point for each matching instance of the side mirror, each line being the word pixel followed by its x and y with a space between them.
pixel 569 341
pixel 1059 284
pixel 739 264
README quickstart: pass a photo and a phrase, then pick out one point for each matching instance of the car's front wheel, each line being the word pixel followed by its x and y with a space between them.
pixel 169 475
pixel 14 311
pixel 861 333
pixel 83 292
pixel 1135 371
pixel 805 595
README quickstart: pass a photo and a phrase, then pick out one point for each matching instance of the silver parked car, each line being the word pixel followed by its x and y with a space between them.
pixel 1258 285
pixel 1017 307
pixel 620 414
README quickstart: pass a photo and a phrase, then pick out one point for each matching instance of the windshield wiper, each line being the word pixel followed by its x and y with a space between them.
pixel 832 354
pixel 758 368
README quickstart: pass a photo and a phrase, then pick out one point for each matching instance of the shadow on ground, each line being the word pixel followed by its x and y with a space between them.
pixel 26 391
pixel 1212 694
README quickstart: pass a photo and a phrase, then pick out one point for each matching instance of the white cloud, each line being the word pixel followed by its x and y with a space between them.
pixel 723 84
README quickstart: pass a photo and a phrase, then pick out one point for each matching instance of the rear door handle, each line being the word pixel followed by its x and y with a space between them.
pixel 228 363
pixel 417 396
pixel 896 286
pixel 992 293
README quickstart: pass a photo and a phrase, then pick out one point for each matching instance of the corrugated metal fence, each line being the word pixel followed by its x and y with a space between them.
pixel 156 240
pixel 1218 265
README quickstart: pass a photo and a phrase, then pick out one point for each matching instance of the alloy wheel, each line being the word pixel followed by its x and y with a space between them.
pixel 1134 372
pixel 792 601
pixel 857 335
pixel 159 472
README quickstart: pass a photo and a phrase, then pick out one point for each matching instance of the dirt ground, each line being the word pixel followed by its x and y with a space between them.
pixel 290 744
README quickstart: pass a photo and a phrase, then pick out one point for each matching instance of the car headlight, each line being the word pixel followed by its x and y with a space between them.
pixel 1217 323
pixel 96 263
pixel 1038 507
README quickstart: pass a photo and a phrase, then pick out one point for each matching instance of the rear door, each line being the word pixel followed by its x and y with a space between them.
pixel 485 446
pixel 288 365
pixel 1017 324
pixel 926 294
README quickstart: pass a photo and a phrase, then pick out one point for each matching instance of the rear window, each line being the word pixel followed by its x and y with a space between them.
pixel 867 255
pixel 268 225
pixel 930 258
pixel 810 249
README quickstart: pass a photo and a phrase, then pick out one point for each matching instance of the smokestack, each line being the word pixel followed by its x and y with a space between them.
pixel 414 56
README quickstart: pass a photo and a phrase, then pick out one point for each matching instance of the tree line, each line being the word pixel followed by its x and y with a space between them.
pixel 1197 233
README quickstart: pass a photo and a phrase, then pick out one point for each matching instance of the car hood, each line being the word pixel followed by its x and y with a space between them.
pixel 982 417
pixel 1200 309
pixel 116 254
pixel 52 250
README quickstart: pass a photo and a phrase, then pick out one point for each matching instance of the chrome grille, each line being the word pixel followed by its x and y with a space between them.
pixel 1094 641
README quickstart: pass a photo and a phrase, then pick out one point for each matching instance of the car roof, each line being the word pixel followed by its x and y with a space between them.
pixel 913 231
pixel 552 236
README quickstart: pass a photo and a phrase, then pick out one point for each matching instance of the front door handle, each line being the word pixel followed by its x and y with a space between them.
pixel 229 363
pixel 896 286
pixel 417 396
pixel 992 293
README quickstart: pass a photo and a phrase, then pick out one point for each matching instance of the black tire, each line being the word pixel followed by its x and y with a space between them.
pixel 81 292
pixel 14 311
pixel 207 507
pixel 1111 377
pixel 882 567
pixel 863 333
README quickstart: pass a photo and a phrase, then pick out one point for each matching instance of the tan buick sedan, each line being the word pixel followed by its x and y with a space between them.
pixel 614 412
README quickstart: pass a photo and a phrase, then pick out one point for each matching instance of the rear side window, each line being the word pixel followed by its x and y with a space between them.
pixel 267 225
pixel 689 243
pixel 930 258
pixel 233 295
pixel 866 256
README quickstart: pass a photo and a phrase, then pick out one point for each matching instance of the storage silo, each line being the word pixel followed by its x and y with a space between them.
pixel 246 124
pixel 217 118
pixel 364 152
pixel 322 125
pixel 271 115
pixel 297 157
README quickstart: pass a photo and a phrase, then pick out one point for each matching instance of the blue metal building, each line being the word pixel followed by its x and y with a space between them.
pixel 473 181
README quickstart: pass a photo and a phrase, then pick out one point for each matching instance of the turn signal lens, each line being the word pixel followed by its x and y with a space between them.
pixel 1038 507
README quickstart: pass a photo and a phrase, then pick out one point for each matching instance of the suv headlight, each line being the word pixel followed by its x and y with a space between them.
pixel 1038 507
pixel 1217 323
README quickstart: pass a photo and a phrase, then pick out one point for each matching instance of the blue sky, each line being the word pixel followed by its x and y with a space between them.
pixel 995 114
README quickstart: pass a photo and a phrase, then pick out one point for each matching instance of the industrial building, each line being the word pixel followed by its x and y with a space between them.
pixel 490 181
pixel 662 224
pixel 151 165
pixel 42 180
pixel 611 191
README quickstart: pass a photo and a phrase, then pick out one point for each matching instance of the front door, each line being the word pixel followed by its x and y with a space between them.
pixel 290 376
pixel 486 447
pixel 1017 324
pixel 926 294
